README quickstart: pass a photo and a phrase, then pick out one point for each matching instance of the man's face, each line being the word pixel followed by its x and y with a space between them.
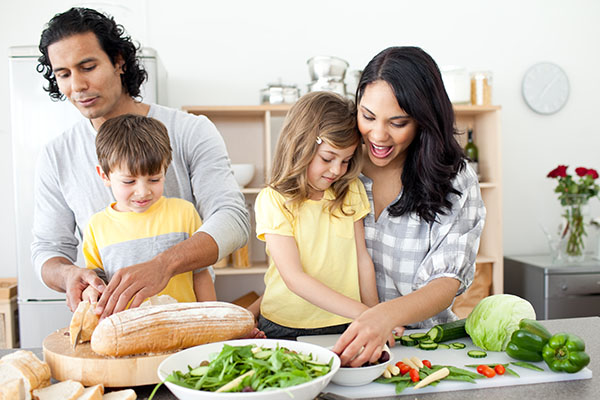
pixel 87 77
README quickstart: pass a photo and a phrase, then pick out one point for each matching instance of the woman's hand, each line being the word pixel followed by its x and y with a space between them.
pixel 365 337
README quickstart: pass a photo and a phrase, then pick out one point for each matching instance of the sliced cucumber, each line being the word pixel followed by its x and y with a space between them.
pixel 428 346
pixel 477 353
pixel 418 336
pixel 443 346
pixel 408 341
pixel 457 345
pixel 448 331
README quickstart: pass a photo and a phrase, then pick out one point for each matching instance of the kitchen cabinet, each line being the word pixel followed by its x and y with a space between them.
pixel 250 133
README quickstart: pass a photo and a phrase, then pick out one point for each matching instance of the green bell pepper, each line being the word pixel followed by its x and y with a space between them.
pixel 565 353
pixel 527 342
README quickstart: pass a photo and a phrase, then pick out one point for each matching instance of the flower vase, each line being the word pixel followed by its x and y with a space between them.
pixel 575 216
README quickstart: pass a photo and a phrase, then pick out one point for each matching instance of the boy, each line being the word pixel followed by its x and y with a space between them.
pixel 134 153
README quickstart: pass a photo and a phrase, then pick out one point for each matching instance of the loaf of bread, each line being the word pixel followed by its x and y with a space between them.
pixel 161 328
pixel 127 394
pixel 65 390
pixel 25 366
pixel 84 318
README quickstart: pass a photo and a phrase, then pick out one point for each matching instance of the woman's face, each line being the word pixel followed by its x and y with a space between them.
pixel 387 130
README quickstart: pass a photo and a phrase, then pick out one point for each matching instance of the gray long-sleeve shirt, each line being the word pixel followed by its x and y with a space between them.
pixel 68 190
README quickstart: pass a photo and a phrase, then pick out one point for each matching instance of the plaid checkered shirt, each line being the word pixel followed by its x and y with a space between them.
pixel 408 252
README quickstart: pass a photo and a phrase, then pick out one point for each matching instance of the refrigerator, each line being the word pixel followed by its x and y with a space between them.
pixel 35 119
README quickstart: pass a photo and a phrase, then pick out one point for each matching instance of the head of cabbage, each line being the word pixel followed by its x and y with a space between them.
pixel 495 318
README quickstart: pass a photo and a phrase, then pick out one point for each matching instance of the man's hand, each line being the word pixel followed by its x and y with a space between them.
pixel 137 282
pixel 78 280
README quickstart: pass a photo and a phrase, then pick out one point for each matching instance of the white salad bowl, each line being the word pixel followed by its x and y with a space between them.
pixel 359 376
pixel 195 355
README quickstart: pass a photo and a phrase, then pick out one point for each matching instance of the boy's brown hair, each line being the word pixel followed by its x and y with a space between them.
pixel 139 143
pixel 330 117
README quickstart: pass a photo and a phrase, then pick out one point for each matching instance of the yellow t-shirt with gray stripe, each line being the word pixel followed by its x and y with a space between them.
pixel 114 240
pixel 327 250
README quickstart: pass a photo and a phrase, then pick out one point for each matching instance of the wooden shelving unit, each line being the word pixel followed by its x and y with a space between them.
pixel 250 133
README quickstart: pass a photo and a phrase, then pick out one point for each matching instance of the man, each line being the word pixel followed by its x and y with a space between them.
pixel 87 58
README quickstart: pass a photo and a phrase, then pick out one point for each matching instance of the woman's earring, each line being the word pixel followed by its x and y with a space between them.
pixel 319 140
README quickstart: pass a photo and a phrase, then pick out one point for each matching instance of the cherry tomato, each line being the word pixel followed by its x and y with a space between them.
pixel 426 363
pixel 399 364
pixel 499 369
pixel 414 375
pixel 486 371
pixel 404 369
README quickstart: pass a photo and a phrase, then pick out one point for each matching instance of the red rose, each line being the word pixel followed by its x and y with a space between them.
pixel 560 171
pixel 581 171
pixel 593 173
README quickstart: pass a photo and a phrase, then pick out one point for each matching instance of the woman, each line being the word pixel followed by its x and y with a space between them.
pixel 426 208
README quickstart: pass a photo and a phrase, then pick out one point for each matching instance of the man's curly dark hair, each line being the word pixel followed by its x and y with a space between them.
pixel 112 39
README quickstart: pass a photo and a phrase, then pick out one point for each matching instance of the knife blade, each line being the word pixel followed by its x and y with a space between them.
pixel 78 336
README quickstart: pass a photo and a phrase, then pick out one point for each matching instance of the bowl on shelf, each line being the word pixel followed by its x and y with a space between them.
pixel 347 376
pixel 195 355
pixel 243 173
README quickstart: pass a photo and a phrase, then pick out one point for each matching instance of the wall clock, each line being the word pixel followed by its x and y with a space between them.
pixel 545 88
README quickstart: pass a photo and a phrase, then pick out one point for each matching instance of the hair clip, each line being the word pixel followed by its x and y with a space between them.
pixel 319 140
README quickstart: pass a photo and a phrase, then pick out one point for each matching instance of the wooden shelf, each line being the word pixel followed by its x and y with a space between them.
pixel 484 259
pixel 239 111
pixel 253 270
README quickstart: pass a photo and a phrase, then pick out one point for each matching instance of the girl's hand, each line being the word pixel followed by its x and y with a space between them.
pixel 365 337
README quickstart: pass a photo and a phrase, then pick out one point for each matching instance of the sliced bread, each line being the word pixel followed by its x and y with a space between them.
pixel 92 393
pixel 25 365
pixel 127 394
pixel 65 390
pixel 13 389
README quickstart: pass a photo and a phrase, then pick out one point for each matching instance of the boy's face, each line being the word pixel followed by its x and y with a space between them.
pixel 133 193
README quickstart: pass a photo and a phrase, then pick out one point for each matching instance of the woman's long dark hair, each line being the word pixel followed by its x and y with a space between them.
pixel 111 36
pixel 434 157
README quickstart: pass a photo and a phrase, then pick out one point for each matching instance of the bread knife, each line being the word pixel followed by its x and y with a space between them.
pixel 78 336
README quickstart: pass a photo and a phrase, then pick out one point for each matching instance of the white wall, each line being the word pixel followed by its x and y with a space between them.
pixel 224 52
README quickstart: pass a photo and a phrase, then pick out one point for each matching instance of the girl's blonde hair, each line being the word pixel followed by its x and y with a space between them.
pixel 324 115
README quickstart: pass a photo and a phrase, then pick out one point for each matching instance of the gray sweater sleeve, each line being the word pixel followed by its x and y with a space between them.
pixel 215 192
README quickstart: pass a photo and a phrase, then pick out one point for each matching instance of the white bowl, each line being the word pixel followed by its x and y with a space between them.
pixel 243 173
pixel 195 355
pixel 358 376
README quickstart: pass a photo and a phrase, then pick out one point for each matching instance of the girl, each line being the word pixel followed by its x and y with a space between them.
pixel 320 275
pixel 426 215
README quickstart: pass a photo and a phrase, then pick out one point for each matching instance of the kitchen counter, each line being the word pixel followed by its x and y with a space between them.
pixel 587 328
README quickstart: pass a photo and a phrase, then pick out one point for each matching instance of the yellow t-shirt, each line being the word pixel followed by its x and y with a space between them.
pixel 327 252
pixel 114 240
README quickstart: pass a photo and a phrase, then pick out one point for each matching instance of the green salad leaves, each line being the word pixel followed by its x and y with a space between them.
pixel 273 369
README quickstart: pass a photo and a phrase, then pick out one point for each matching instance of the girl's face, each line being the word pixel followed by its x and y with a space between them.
pixel 326 167
pixel 134 193
pixel 387 130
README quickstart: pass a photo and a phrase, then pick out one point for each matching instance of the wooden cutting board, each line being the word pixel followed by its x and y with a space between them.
pixel 89 368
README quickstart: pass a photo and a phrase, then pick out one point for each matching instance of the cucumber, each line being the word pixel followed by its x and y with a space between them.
pixel 457 346
pixel 476 353
pixel 408 341
pixel 428 346
pixel 418 336
pixel 443 346
pixel 448 331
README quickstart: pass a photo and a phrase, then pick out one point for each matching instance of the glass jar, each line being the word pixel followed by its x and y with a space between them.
pixel 481 88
